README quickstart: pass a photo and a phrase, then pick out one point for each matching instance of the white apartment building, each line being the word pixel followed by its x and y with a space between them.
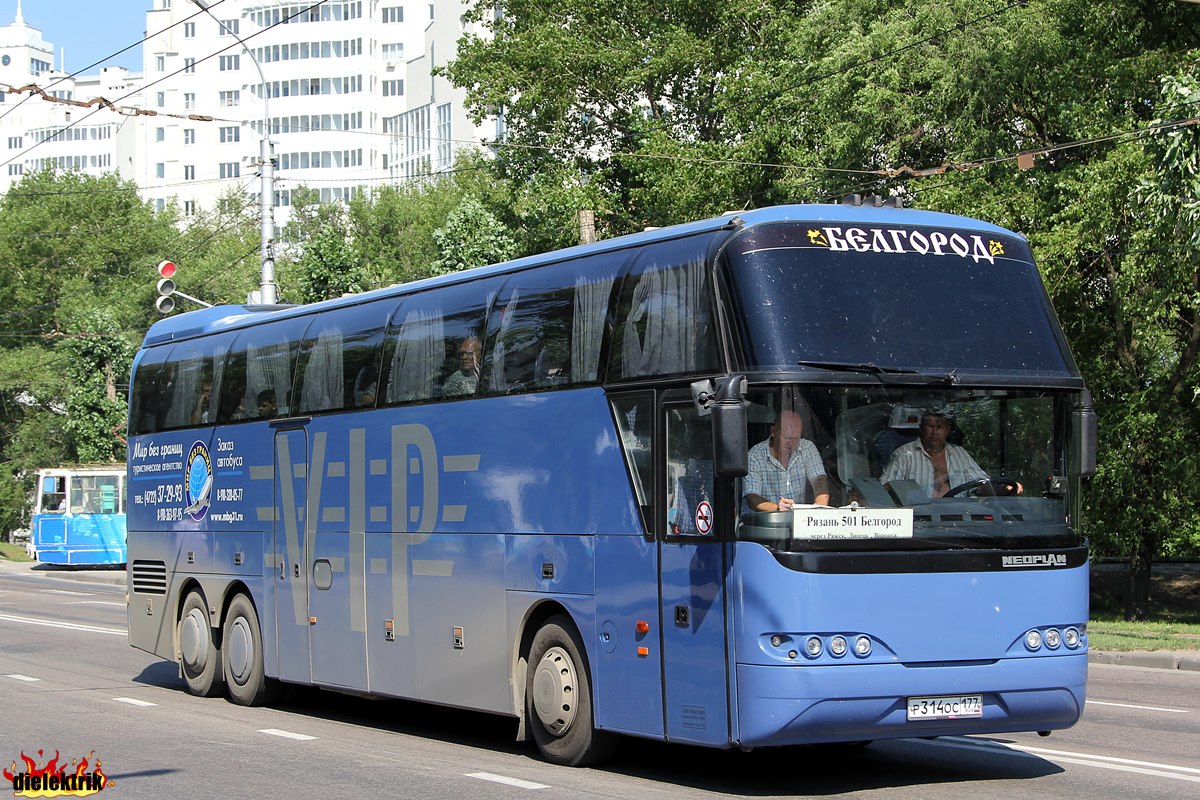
pixel 342 88
pixel 36 133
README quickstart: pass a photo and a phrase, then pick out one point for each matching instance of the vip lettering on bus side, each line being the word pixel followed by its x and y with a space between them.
pixel 412 519
pixel 900 240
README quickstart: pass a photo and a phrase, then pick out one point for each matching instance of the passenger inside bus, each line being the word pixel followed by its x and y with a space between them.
pixel 465 380
pixel 768 477
pixel 267 407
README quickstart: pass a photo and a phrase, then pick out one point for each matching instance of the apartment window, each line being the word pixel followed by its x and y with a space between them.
pixel 160 205
pixel 229 27
pixel 189 65
pixel 14 142
pixel 160 63
pixel 393 52
pixel 393 14
pixel 229 63
pixel 189 135
pixel 189 172
pixel 161 99
pixel 393 88
pixel 189 99
pixel 16 169
pixel 189 208
pixel 189 30
pixel 231 169
pixel 231 133
pixel 160 134
pixel 230 98
pixel 160 170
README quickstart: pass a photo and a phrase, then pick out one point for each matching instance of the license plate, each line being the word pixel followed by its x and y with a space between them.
pixel 958 706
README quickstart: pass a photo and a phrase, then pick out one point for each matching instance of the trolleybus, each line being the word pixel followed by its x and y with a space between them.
pixel 79 515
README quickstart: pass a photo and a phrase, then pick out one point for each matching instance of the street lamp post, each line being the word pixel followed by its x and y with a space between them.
pixel 268 291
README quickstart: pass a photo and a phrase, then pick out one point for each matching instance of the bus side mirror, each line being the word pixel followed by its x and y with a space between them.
pixel 726 402
pixel 1085 431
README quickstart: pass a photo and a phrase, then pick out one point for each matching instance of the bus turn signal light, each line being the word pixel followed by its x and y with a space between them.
pixel 642 626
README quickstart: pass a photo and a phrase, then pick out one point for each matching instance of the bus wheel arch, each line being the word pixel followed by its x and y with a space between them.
pixel 557 708
pixel 242 654
pixel 198 644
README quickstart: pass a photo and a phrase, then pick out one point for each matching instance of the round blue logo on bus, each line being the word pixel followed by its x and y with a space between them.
pixel 198 481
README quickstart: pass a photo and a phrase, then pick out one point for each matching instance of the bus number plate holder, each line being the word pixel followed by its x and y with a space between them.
pixel 958 706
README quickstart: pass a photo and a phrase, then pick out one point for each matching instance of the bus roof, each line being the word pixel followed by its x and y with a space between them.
pixel 218 318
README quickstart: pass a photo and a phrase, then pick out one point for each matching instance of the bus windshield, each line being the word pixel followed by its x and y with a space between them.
pixel 914 298
pixel 914 468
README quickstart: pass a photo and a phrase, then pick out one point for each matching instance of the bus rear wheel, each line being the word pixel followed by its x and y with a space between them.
pixel 242 656
pixel 558 699
pixel 199 655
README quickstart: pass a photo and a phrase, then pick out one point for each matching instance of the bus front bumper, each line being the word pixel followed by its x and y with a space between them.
pixel 802 704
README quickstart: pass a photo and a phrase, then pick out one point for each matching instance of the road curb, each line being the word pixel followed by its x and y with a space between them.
pixel 1160 659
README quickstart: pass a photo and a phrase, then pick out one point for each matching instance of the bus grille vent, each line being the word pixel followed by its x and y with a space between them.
pixel 149 577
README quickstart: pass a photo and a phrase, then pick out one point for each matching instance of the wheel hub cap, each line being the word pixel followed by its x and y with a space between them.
pixel 554 687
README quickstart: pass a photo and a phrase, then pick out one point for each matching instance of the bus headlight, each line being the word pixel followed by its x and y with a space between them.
pixel 1053 638
pixel 813 646
pixel 1033 639
pixel 837 645
pixel 1071 637
pixel 862 646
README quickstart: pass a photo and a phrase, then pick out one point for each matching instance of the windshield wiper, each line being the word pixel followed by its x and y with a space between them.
pixel 870 368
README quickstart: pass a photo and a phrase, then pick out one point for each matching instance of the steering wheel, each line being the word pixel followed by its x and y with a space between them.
pixel 1004 486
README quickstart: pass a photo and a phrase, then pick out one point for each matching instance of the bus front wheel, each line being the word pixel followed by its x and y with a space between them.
pixel 558 698
pixel 242 655
pixel 199 655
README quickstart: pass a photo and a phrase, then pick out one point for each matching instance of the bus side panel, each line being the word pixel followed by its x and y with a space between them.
pixel 50 538
pixel 627 684
pixel 96 539
pixel 933 634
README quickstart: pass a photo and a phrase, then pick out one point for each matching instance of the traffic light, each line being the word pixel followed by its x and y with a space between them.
pixel 166 287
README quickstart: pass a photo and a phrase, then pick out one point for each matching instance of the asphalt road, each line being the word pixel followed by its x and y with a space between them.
pixel 70 682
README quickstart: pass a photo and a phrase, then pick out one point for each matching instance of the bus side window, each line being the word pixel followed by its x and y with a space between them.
pixel 547 324
pixel 664 318
pixel 689 473
pixel 635 425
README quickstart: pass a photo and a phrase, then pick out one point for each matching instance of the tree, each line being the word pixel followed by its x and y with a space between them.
pixel 471 237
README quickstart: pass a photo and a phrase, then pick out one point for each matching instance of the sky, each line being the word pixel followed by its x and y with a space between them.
pixel 87 30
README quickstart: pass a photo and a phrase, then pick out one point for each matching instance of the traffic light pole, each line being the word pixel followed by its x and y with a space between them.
pixel 267 288
pixel 268 291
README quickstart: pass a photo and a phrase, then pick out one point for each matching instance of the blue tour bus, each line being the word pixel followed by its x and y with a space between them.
pixel 520 489
pixel 79 515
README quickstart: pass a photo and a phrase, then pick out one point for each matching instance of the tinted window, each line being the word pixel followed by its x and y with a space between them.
pixel 916 298
pixel 547 324
pixel 340 360
pixel 146 397
pixel 187 383
pixel 257 379
pixel 434 343
pixel 664 320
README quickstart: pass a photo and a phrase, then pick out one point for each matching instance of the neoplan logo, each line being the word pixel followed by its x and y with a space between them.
pixel 1036 560
pixel 53 780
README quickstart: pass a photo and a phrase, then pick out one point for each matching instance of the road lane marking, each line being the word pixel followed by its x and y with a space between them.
pixel 287 734
pixel 1140 708
pixel 17 677
pixel 133 701
pixel 1190 774
pixel 64 591
pixel 517 782
pixel 96 603
pixel 56 624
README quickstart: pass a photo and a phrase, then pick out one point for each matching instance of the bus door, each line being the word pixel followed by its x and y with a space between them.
pixel 692 583
pixel 290 555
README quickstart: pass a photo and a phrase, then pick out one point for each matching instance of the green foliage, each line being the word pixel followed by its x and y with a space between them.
pixel 471 237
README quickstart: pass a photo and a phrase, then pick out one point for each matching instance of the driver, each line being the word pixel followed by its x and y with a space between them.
pixel 933 463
